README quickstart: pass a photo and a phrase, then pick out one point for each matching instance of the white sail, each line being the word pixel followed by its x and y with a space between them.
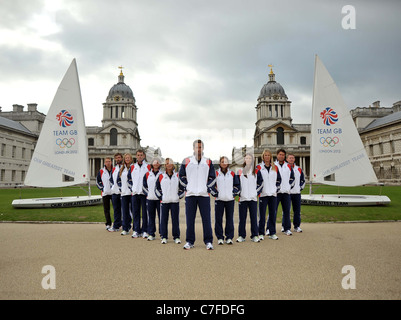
pixel 338 156
pixel 61 154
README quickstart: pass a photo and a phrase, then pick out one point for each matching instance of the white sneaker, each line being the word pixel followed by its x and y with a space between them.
pixel 255 239
pixel 108 227
pixel 297 229
pixel 150 238
pixel 282 229
pixel 111 229
pixel 188 246
pixel 273 237
pixel 177 240
pixel 164 241
pixel 240 239
pixel 229 241
pixel 220 241
pixel 135 234
pixel 288 232
pixel 145 235
pixel 209 246
pixel 261 237
pixel 124 233
pixel 267 232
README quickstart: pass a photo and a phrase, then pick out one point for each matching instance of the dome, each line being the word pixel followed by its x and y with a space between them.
pixel 272 88
pixel 121 89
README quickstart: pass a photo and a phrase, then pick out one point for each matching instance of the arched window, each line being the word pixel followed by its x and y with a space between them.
pixel 113 137
pixel 280 135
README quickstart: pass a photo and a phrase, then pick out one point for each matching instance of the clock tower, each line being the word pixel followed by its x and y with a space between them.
pixel 120 107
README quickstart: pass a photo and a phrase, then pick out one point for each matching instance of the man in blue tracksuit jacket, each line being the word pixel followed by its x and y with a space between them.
pixel 198 179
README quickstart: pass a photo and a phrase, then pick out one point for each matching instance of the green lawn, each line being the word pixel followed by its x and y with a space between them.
pixel 95 213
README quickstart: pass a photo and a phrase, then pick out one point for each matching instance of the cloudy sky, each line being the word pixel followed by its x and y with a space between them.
pixel 196 67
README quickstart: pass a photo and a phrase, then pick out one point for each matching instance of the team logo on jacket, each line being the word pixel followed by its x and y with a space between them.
pixel 329 116
pixel 64 118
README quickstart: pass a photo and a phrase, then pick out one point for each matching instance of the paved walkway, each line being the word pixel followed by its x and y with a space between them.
pixel 91 263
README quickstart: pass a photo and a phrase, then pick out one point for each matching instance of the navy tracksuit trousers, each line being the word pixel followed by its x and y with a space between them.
pixel 125 208
pixel 253 214
pixel 174 207
pixel 191 205
pixel 271 203
pixel 285 200
pixel 219 207
pixel 153 207
pixel 138 203
pixel 116 201
pixel 296 207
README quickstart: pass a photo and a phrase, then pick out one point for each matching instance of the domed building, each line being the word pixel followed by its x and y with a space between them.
pixel 119 130
pixel 274 128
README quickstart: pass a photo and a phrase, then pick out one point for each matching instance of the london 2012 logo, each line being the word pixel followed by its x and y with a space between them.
pixel 329 116
pixel 64 118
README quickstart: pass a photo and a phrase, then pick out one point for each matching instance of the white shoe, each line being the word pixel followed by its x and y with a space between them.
pixel 145 235
pixel 255 239
pixel 297 229
pixel 220 241
pixel 267 232
pixel 188 246
pixel 177 240
pixel 164 241
pixel 135 234
pixel 288 232
pixel 240 239
pixel 150 238
pixel 273 237
pixel 261 237
pixel 108 227
pixel 209 246
pixel 229 241
pixel 111 229
pixel 124 233
pixel 282 229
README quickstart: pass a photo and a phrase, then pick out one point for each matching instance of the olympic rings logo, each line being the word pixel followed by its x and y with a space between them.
pixel 65 143
pixel 329 142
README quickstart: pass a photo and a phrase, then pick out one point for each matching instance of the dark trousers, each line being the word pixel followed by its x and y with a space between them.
pixel 219 207
pixel 138 205
pixel 285 200
pixel 116 201
pixel 153 206
pixel 174 207
pixel 191 205
pixel 106 209
pixel 253 214
pixel 296 207
pixel 269 202
pixel 125 209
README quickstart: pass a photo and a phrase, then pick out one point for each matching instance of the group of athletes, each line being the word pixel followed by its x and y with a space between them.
pixel 139 191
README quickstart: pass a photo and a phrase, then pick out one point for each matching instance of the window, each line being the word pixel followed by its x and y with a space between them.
pixel 303 140
pixel 117 112
pixel 113 137
pixel 91 142
pixel 280 135
pixel 122 112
